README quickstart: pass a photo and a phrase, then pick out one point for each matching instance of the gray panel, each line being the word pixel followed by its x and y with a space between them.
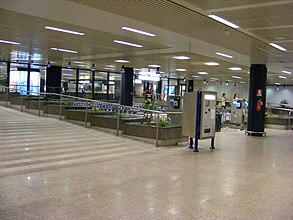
pixel 189 114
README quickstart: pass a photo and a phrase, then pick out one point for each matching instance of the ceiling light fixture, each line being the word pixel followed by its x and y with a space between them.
pixel 287 72
pixel 278 47
pixel 278 83
pixel 121 61
pixel 154 65
pixel 127 43
pixel 138 31
pixel 181 70
pixel 283 77
pixel 9 42
pixel 214 78
pixel 78 62
pixel 236 77
pixel 224 21
pixel 181 57
pixel 211 64
pixel 235 68
pixel 63 50
pixel 195 76
pixel 224 55
pixel 63 30
pixel 202 73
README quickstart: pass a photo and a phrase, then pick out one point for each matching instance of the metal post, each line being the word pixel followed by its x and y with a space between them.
pixel 197 124
pixel 39 104
pixel 60 109
pixel 190 143
pixel 157 131
pixel 6 97
pixel 21 102
pixel 212 144
pixel 85 120
pixel 118 116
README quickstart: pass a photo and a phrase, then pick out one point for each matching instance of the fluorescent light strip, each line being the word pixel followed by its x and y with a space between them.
pixel 287 72
pixel 224 55
pixel 64 30
pixel 235 68
pixel 138 31
pixel 196 76
pixel 236 77
pixel 181 70
pixel 283 77
pixel 224 21
pixel 154 65
pixel 64 50
pixel 202 73
pixel 278 47
pixel 214 78
pixel 181 57
pixel 127 43
pixel 278 84
pixel 9 42
pixel 121 61
pixel 211 64
pixel 78 62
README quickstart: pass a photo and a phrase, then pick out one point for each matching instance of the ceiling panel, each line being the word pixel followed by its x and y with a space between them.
pixel 213 4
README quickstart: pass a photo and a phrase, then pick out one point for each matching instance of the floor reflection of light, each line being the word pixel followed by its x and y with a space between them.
pixel 172 211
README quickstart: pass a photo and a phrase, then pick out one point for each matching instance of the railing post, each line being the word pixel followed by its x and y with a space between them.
pixel 60 109
pixel 21 102
pixel 39 104
pixel 85 120
pixel 118 118
pixel 157 131
pixel 6 98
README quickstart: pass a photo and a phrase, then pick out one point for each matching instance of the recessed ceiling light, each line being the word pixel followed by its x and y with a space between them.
pixel 121 61
pixel 214 78
pixel 224 21
pixel 110 66
pixel 236 77
pixel 202 73
pixel 136 69
pixel 287 72
pixel 242 82
pixel 154 65
pixel 280 38
pixel 181 70
pixel 195 76
pixel 278 84
pixel 127 43
pixel 9 42
pixel 224 55
pixel 64 30
pixel 78 62
pixel 81 65
pixel 138 31
pixel 63 50
pixel 235 68
pixel 181 57
pixel 283 77
pixel 211 64
pixel 278 47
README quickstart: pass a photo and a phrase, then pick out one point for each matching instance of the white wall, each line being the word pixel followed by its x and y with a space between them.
pixel 274 96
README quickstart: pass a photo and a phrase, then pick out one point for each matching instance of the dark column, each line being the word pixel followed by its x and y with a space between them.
pixel 93 84
pixel 42 85
pixel 8 74
pixel 76 82
pixel 108 85
pixel 53 83
pixel 190 86
pixel 146 85
pixel 257 98
pixel 168 85
pixel 177 91
pixel 159 88
pixel 28 81
pixel 126 87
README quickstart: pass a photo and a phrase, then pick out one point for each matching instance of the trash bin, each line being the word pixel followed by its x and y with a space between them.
pixel 218 122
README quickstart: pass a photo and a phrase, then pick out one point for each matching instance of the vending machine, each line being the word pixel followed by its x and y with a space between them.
pixel 199 116
pixel 237 112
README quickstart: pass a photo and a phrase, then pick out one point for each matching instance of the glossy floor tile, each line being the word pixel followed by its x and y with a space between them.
pixel 51 169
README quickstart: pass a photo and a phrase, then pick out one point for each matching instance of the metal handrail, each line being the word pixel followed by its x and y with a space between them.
pixel 119 106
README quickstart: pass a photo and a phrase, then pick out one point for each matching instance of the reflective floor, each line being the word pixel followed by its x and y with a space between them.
pixel 51 169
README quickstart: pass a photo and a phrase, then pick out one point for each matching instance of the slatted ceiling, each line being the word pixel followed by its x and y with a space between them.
pixel 253 23
pixel 213 4
pixel 238 15
pixel 273 33
pixel 252 2
pixel 276 11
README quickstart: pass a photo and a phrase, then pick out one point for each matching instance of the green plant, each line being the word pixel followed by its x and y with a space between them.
pixel 67 103
pixel 96 109
pixel 163 122
pixel 146 119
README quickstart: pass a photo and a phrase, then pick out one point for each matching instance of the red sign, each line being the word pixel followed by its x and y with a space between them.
pixel 258 92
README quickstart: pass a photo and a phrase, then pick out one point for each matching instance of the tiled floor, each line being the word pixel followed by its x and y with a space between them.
pixel 52 169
